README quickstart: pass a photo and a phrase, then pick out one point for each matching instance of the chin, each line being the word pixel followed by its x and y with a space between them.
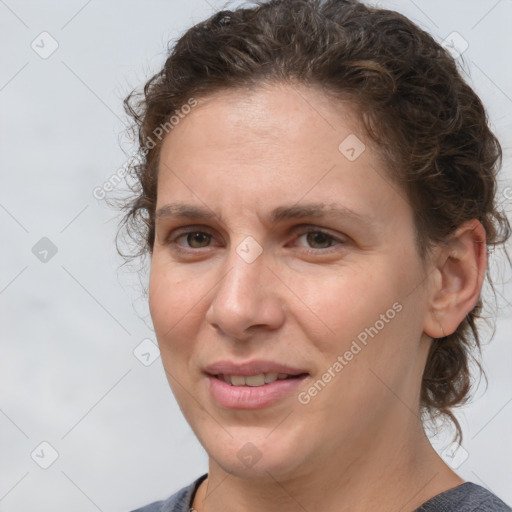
pixel 258 456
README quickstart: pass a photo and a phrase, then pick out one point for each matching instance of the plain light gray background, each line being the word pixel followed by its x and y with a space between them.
pixel 70 325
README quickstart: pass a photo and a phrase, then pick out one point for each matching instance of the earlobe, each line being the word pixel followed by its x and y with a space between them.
pixel 460 269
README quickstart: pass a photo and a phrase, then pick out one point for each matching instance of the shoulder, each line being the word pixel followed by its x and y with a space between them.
pixel 180 501
pixel 467 497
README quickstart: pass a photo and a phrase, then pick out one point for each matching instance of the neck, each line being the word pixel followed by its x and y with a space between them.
pixel 388 470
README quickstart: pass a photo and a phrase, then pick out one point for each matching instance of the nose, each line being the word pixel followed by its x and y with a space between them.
pixel 246 299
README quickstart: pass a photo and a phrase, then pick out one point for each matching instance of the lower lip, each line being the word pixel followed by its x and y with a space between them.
pixel 249 397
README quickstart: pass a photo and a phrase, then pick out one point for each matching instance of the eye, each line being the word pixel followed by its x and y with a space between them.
pixel 194 239
pixel 314 240
pixel 318 239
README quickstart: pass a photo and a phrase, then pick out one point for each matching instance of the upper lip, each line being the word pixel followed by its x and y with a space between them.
pixel 251 368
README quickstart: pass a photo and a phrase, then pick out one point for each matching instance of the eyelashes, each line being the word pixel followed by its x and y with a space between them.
pixel 202 234
pixel 197 240
pixel 311 235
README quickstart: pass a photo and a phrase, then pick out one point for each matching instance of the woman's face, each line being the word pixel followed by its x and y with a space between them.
pixel 239 288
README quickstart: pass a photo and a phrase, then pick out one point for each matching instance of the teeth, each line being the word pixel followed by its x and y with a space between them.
pixel 237 381
pixel 270 377
pixel 252 380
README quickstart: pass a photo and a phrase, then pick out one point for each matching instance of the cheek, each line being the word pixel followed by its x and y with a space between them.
pixel 175 305
pixel 379 341
pixel 345 302
pixel 366 315
pixel 176 312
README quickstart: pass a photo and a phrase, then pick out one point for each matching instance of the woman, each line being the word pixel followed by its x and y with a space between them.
pixel 317 194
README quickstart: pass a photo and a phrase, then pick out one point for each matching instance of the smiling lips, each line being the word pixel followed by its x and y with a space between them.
pixel 251 385
pixel 252 380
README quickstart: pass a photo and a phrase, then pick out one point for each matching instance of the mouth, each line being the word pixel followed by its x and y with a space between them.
pixel 256 380
pixel 252 385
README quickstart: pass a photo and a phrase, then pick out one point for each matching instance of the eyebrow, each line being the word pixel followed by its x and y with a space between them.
pixel 279 214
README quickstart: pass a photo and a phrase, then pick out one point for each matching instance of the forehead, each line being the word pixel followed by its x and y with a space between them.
pixel 270 146
pixel 269 114
pixel 264 125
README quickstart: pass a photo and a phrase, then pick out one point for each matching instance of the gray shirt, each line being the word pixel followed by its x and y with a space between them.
pixel 467 497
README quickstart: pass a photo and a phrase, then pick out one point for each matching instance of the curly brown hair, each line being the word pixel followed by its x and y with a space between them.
pixel 428 124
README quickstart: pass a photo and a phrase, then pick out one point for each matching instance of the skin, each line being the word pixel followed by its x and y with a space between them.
pixel 359 443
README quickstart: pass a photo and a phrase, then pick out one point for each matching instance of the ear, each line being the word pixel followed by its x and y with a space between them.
pixel 458 277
